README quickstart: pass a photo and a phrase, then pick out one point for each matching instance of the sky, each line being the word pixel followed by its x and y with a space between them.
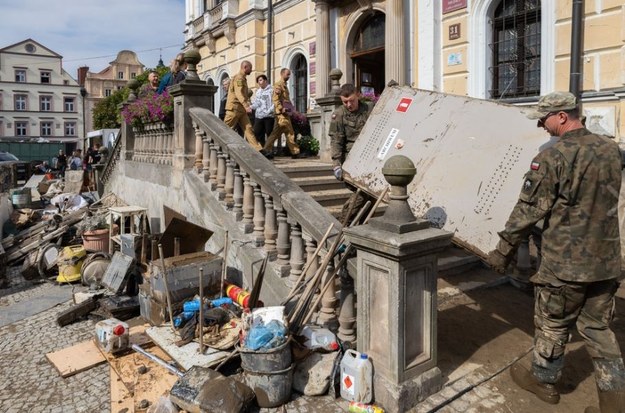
pixel 91 33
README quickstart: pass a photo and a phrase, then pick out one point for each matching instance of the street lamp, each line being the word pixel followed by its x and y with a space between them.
pixel 83 93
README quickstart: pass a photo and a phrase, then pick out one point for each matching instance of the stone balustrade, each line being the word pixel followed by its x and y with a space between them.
pixel 154 143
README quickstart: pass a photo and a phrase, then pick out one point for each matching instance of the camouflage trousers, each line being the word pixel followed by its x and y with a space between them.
pixel 558 306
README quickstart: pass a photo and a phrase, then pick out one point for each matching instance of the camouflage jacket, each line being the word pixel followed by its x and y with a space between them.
pixel 574 185
pixel 344 130
pixel 238 93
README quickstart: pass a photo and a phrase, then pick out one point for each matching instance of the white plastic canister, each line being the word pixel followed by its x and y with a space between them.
pixel 356 377
pixel 112 335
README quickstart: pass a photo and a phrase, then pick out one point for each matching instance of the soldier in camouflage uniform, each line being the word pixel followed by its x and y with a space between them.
pixel 282 105
pixel 238 105
pixel 574 187
pixel 347 122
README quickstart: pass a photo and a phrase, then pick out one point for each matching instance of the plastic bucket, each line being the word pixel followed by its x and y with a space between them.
pixel 272 389
pixel 273 359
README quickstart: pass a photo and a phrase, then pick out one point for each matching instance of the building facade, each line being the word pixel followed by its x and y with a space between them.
pixel 39 100
pixel 102 84
pixel 508 50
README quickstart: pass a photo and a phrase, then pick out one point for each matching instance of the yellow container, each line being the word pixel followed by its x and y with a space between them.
pixel 70 262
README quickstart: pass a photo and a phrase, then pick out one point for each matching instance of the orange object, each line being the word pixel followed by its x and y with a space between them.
pixel 238 295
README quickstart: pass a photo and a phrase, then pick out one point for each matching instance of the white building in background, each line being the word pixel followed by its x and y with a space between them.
pixel 39 100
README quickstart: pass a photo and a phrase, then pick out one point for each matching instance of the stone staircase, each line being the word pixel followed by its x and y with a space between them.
pixel 316 178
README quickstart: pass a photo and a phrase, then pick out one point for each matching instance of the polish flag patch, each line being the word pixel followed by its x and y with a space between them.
pixel 534 166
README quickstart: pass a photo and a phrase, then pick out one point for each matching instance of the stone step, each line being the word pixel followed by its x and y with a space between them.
pixel 455 260
pixel 331 197
pixel 305 169
pixel 318 183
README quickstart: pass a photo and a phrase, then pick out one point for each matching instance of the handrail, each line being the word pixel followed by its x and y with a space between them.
pixel 300 206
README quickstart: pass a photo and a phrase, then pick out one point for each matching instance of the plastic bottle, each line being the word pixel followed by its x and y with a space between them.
pixel 356 377
pixel 182 317
pixel 112 335
pixel 355 407
pixel 319 338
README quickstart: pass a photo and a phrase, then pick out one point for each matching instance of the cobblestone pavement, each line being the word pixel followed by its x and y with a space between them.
pixel 484 326
pixel 29 383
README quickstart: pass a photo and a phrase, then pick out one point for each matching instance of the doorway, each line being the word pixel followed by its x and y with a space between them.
pixel 368 55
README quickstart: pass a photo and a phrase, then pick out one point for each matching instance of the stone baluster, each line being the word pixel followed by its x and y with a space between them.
pixel 248 205
pixel 283 243
pixel 170 145
pixel 161 143
pixel 238 193
pixel 297 254
pixel 136 154
pixel 327 313
pixel 259 216
pixel 271 227
pixel 311 247
pixel 199 147
pixel 221 176
pixel 347 311
pixel 213 166
pixel 151 134
pixel 206 142
pixel 229 184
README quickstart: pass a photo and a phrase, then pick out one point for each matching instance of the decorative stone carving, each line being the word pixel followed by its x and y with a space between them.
pixel 230 31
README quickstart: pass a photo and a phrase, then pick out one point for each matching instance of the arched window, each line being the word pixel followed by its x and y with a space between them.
pixel 371 36
pixel 515 49
pixel 368 55
pixel 299 74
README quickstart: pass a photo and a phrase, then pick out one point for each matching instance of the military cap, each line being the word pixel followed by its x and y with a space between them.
pixel 553 102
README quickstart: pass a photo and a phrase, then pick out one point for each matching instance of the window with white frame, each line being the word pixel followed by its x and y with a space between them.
pixel 516 49
pixel 21 102
pixel 46 76
pixel 107 92
pixel 20 75
pixel 70 128
pixel 69 104
pixel 120 75
pixel 133 75
pixel 46 128
pixel 21 128
pixel 45 103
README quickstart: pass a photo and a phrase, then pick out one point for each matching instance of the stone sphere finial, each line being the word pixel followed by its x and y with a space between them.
pixel 192 57
pixel 133 85
pixel 335 77
pixel 399 170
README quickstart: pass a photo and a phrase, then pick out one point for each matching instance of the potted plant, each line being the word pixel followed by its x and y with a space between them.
pixel 94 230
pixel 150 109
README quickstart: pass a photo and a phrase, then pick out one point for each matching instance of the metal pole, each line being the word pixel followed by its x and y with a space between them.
pixel 577 49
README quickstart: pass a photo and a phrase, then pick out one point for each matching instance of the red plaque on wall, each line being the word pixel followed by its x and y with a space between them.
pixel 313 87
pixel 312 48
pixel 453 5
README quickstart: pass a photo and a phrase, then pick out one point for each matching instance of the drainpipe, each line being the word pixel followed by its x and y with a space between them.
pixel 269 38
pixel 577 49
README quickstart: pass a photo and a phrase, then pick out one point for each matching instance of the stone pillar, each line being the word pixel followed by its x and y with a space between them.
pixel 322 44
pixel 191 92
pixel 397 271
pixel 394 51
pixel 321 117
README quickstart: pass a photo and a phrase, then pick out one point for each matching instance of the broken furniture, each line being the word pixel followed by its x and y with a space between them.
pixel 137 222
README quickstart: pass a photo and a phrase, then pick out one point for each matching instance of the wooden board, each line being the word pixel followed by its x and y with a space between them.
pixel 77 358
pixel 128 387
pixel 114 279
pixel 188 355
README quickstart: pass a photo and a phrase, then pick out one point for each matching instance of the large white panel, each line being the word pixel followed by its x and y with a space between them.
pixel 470 156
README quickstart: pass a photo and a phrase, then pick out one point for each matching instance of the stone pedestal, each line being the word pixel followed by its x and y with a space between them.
pixel 396 286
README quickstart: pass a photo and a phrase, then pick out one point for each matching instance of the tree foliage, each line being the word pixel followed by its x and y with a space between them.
pixel 106 113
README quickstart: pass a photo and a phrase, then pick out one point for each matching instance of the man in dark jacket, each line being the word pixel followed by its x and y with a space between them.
pixel 574 186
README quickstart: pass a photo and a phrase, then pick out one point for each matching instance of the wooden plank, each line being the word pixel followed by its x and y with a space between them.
pixel 125 378
pixel 188 355
pixel 77 358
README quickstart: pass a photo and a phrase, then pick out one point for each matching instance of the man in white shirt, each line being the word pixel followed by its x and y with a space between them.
pixel 263 105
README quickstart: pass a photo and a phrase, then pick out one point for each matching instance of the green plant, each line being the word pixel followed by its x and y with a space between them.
pixel 92 223
pixel 308 144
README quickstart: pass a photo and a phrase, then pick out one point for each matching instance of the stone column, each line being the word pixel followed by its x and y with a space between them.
pixel 321 117
pixel 394 51
pixel 322 44
pixel 191 92
pixel 397 271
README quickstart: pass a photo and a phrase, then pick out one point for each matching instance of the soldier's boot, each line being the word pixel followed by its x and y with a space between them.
pixel 527 381
pixel 609 402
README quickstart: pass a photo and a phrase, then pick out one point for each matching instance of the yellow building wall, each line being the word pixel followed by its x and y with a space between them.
pixel 455 53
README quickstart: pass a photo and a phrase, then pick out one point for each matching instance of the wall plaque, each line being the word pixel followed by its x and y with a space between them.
pixel 453 5
pixel 454 31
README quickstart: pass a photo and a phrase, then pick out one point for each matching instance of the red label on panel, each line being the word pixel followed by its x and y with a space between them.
pixel 404 104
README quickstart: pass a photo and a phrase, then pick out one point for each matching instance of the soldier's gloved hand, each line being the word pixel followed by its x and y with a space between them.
pixel 338 173
pixel 498 261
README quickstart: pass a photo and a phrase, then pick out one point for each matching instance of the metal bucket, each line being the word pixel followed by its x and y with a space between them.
pixel 277 358
pixel 272 389
pixel 21 198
